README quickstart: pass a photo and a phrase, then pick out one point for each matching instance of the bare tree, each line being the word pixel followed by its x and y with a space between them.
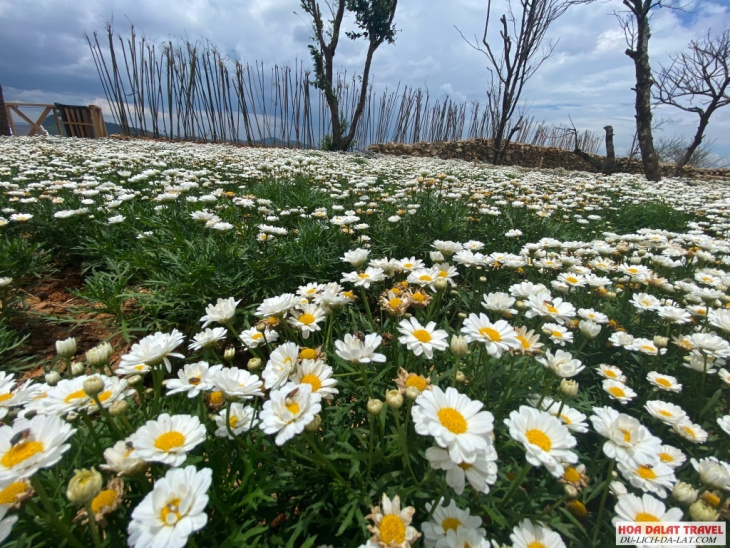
pixel 521 34
pixel 4 124
pixel 671 150
pixel 698 81
pixel 635 24
pixel 374 19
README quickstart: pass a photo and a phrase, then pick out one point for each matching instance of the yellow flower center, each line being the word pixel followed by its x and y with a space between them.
pixel 292 407
pixel 644 516
pixel 712 499
pixel 307 354
pixel 618 392
pixel 557 334
pixel 170 513
pixel 256 336
pixel 306 319
pixel 452 420
pixel 169 441
pixel 666 457
pixel 425 278
pixel 523 341
pixel 417 381
pixel 195 381
pixel 648 348
pixel 565 418
pixel 571 280
pixel 552 309
pixel 422 335
pixel 392 530
pixel 609 373
pixel 75 396
pixel 233 421
pixel 418 297
pixel 490 333
pixel 571 474
pixel 349 294
pixel 536 544
pixel 626 433
pixel 450 523
pixel 663 382
pixel 688 430
pixel 665 413
pixel 11 493
pixel 313 380
pixel 21 452
pixel 464 465
pixel 539 438
pixel 4 397
pixel 215 398
pixel 646 472
pixel 104 395
pixel 407 265
pixel 395 302
pixel 105 498
pixel 362 275
pixel 443 274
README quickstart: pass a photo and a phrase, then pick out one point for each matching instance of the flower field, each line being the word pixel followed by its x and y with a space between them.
pixel 305 349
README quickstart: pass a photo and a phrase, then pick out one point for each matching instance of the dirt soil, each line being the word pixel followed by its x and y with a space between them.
pixel 51 312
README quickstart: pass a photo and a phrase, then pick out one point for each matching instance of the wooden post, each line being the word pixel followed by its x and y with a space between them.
pixel 97 119
pixel 610 165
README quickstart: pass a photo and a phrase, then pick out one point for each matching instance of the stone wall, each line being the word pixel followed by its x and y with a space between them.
pixel 520 154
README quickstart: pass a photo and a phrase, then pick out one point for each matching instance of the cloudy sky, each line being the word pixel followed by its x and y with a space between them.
pixel 45 57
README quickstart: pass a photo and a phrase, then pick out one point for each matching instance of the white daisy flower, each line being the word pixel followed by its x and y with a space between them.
pixel 664 382
pixel 497 337
pixel 253 338
pixel 193 378
pixel 561 363
pixel 713 472
pixel 356 257
pixel 306 319
pixel 656 478
pixel 455 421
pixel 318 375
pixel 480 474
pixel 391 525
pixel 168 439
pixel 280 365
pixel 422 339
pixel 463 537
pixel 558 334
pixel 151 351
pixel 645 508
pixel 626 437
pixel 220 312
pixel 671 456
pixel 547 441
pixel 357 350
pixel 240 419
pixel 572 418
pixel 286 413
pixel 208 337
pixel 592 315
pixel 529 535
pixel 690 431
pixel 6 523
pixel 666 412
pixel 29 445
pixel 120 458
pixel 724 423
pixel 173 510
pixel 611 372
pixel 555 309
pixel 448 518
pixel 234 382
pixel 277 306
pixel 618 391
pixel 364 279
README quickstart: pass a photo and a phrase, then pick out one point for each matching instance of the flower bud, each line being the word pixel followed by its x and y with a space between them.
pixel 589 329
pixel 412 392
pixel 569 388
pixel 394 399
pixel 570 491
pixel 482 279
pixel 84 486
pixel 635 260
pixel 77 368
pixel 440 284
pixel 99 355
pixel 52 378
pixel 314 425
pixel 610 295
pixel 134 379
pixel 684 493
pixel 617 489
pixel 459 346
pixel 93 385
pixel 702 512
pixel 375 406
pixel 229 353
pixel 254 364
pixel 521 305
pixel 459 377
pixel 577 508
pixel 118 408
pixel 660 342
pixel 66 348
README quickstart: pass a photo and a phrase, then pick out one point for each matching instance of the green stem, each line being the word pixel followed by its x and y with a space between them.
pixel 601 507
pixel 519 478
pixel 367 307
pixel 364 376
pixel 52 516
pixel 403 438
pixel 92 525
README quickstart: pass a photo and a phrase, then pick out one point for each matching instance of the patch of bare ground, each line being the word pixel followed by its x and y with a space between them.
pixel 51 313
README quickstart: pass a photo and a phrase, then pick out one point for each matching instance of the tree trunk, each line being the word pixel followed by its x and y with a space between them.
pixel 610 165
pixel 644 81
pixel 4 124
pixel 704 120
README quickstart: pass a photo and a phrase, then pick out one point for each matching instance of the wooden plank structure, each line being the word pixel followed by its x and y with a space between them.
pixel 71 120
